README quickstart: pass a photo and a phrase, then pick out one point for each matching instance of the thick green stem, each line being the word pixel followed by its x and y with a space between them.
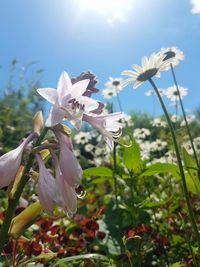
pixel 184 116
pixel 12 202
pixel 185 190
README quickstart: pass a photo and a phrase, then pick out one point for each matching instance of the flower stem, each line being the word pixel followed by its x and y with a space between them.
pixel 185 190
pixel 114 174
pixel 12 202
pixel 185 118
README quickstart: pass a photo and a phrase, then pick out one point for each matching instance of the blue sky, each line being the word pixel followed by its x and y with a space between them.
pixel 65 35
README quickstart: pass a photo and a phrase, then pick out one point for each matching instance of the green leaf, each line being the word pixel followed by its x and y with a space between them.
pixel 131 156
pixel 192 179
pixel 176 264
pixel 98 171
pixel 162 168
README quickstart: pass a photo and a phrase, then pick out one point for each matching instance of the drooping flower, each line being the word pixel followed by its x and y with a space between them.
pixel 172 53
pixel 108 125
pixel 47 188
pixel 172 93
pixel 69 165
pixel 10 162
pixel 68 101
pixel 150 67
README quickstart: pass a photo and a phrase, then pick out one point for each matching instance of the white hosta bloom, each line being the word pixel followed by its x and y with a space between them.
pixel 82 137
pixel 189 118
pixel 158 122
pixel 68 101
pixel 10 162
pixel 173 53
pixel 108 125
pixel 141 133
pixel 172 93
pixel 149 67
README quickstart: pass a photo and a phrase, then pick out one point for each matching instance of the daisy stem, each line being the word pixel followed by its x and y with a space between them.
pixel 184 116
pixel 13 201
pixel 185 190
pixel 119 103
pixel 114 174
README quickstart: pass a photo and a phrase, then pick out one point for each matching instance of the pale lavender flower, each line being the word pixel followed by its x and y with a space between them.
pixel 69 165
pixel 10 162
pixel 108 125
pixel 68 101
pixel 47 188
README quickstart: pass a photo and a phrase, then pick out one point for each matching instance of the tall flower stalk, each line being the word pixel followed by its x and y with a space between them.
pixel 185 119
pixel 13 200
pixel 185 190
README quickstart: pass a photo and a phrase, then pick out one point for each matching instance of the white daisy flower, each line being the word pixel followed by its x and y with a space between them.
pixel 158 145
pixel 89 147
pixel 173 53
pixel 82 137
pixel 172 93
pixel 115 83
pixel 190 118
pixel 108 93
pixel 141 133
pixel 158 122
pixel 150 67
pixel 175 118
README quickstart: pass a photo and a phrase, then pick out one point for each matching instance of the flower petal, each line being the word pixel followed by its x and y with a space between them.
pixel 49 94
pixel 64 85
pixel 55 116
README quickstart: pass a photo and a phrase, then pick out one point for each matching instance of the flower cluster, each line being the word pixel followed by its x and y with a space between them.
pixel 70 102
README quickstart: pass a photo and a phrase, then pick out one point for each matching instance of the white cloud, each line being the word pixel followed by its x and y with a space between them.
pixel 195 6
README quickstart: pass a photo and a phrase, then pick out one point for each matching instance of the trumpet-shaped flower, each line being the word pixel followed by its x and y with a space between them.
pixel 69 165
pixel 10 162
pixel 68 101
pixel 47 188
pixel 150 67
pixel 108 125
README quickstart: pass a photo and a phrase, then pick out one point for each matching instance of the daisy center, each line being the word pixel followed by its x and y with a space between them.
pixel 116 83
pixel 147 74
pixel 169 54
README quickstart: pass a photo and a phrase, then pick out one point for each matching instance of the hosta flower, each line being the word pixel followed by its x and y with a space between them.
pixel 172 93
pixel 108 125
pixel 10 162
pixel 150 67
pixel 47 188
pixel 69 165
pixel 173 53
pixel 68 101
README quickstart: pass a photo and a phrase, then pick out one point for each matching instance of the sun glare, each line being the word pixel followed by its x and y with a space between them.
pixel 112 10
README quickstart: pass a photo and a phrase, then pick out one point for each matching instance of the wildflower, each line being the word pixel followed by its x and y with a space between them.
pixel 172 93
pixel 68 101
pixel 151 92
pixel 150 67
pixel 175 118
pixel 47 188
pixel 173 53
pixel 113 86
pixel 82 137
pixel 89 148
pixel 107 125
pixel 127 120
pixel 141 133
pixel 189 118
pixel 68 163
pixel 158 145
pixel 10 162
pixel 109 93
pixel 158 122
